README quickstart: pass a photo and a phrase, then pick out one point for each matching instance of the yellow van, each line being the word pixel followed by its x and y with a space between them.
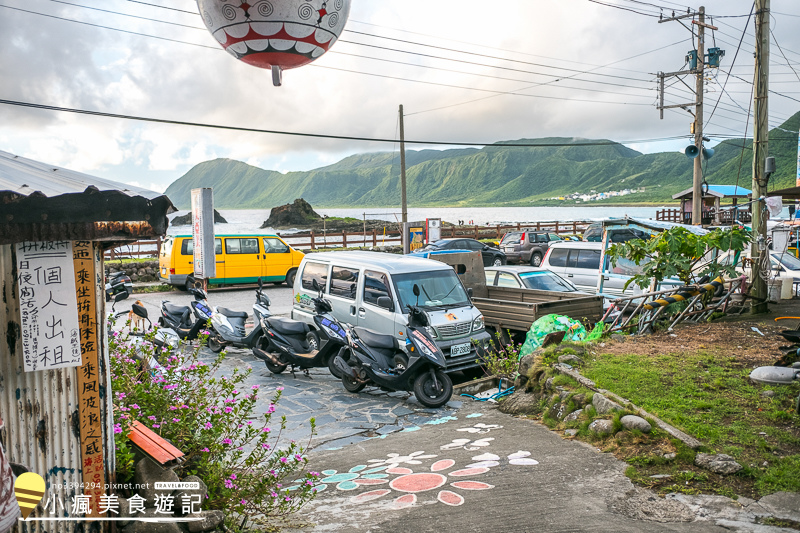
pixel 240 259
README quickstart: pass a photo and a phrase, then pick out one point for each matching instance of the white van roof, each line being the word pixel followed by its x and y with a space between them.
pixel 585 245
pixel 392 263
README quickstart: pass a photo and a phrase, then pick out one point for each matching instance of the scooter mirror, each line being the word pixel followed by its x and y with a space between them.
pixel 416 290
pixel 315 285
pixel 120 296
pixel 138 310
pixel 260 284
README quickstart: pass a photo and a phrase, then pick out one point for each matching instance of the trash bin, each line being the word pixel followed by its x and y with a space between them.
pixel 774 287
pixel 787 289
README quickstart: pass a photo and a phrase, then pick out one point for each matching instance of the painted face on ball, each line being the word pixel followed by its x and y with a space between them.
pixel 269 33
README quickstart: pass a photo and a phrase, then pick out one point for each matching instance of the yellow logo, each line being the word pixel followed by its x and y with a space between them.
pixel 29 489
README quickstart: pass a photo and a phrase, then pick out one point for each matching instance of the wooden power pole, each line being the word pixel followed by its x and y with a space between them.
pixel 760 148
pixel 697 182
pixel 403 168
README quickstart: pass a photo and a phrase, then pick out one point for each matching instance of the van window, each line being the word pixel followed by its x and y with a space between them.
pixel 314 271
pixel 187 247
pixel 241 246
pixel 344 282
pixel 376 284
pixel 273 245
pixel 490 275
pixel 589 259
pixel 506 280
pixel 166 247
pixel 558 257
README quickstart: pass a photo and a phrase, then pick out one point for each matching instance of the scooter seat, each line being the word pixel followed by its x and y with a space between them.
pixel 176 310
pixel 287 326
pixel 231 314
pixel 376 340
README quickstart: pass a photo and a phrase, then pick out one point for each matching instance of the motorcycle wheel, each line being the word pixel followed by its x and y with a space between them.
pixel 214 344
pixel 334 371
pixel 352 385
pixel 312 339
pixel 272 367
pixel 400 362
pixel 427 394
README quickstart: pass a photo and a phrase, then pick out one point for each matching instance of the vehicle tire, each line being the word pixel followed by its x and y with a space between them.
pixel 332 367
pixel 189 283
pixel 214 344
pixel 352 385
pixel 160 322
pixel 536 260
pixel 427 395
pixel 290 277
pixel 497 261
pixel 400 362
pixel 313 340
pixel 277 283
pixel 272 367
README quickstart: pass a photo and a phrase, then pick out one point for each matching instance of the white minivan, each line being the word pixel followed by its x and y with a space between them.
pixel 373 289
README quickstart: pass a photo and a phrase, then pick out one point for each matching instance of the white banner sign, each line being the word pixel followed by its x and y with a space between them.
pixel 48 305
pixel 205 261
pixel 434 229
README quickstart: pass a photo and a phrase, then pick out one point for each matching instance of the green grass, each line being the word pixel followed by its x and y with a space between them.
pixel 709 396
pixel 154 288
pixel 128 260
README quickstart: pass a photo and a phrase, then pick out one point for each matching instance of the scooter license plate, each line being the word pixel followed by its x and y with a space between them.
pixel 460 349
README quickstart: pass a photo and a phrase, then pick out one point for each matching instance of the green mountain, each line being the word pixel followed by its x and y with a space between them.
pixel 494 175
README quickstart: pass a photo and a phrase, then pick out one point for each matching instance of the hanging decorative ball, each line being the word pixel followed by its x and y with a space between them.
pixel 275 34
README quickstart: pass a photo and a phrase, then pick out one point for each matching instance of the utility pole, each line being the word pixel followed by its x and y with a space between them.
pixel 403 167
pixel 697 63
pixel 760 148
pixel 697 183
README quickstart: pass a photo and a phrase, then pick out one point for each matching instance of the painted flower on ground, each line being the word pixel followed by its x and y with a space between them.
pixel 480 428
pixel 468 444
pixel 360 475
pixel 395 459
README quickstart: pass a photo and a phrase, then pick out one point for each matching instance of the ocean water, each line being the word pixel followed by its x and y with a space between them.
pixel 242 221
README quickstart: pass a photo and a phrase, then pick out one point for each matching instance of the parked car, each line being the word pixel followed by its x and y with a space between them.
pixel 240 259
pixel 373 290
pixel 594 233
pixel 527 277
pixel 491 256
pixel 527 246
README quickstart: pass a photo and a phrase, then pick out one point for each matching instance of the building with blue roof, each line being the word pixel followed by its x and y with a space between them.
pixel 713 210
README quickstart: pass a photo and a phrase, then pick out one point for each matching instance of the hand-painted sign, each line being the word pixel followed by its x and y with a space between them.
pixel 416 238
pixel 205 261
pixel 48 314
pixel 89 409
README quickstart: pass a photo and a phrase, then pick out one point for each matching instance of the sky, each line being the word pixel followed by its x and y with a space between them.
pixel 466 72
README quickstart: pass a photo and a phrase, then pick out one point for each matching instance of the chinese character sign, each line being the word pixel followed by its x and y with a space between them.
pixel 434 229
pixel 48 313
pixel 205 261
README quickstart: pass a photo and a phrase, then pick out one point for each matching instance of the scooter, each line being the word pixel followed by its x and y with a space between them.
pixel 378 359
pixel 178 318
pixel 228 326
pixel 118 283
pixel 291 343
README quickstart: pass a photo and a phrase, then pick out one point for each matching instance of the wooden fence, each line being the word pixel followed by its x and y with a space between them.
pixel 390 235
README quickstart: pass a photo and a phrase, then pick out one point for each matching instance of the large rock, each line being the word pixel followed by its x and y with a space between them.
pixel 602 427
pixel 719 463
pixel 574 415
pixel 152 527
pixel 603 405
pixel 569 359
pixel 527 362
pixel 146 474
pixel 297 214
pixel 186 220
pixel 210 520
pixel 636 422
pixel 521 403
pixel 180 494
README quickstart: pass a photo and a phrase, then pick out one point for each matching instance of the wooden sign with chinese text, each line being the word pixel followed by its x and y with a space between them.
pixel 89 400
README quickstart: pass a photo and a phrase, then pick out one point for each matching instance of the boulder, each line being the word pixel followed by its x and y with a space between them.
pixel 569 359
pixel 186 220
pixel 521 403
pixel 146 474
pixel 602 427
pixel 210 520
pixel 297 214
pixel 527 362
pixel 579 400
pixel 767 393
pixel 603 405
pixel 719 463
pixel 570 432
pixel 574 415
pixel 636 422
pixel 180 494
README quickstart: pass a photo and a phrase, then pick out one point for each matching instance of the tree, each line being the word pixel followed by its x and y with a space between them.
pixel 681 254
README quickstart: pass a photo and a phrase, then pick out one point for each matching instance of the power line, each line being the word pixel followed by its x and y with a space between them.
pixel 623 8
pixel 784 55
pixel 129 15
pixel 732 63
pixel 317 135
pixel 164 7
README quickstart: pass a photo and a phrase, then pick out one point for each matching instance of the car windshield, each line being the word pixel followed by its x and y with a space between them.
pixel 439 288
pixel 511 238
pixel 787 260
pixel 546 281
pixel 435 245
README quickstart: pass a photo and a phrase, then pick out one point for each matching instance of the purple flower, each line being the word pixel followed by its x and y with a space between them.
pixel 266 430
pixel 151 417
pixel 117 428
pixel 176 419
pixel 209 425
pixel 228 409
pixel 298 457
pixel 254 387
pixel 243 502
pixel 279 388
pixel 265 446
pixel 227 441
pixel 284 460
pixel 205 450
pixel 233 476
pixel 156 426
pixel 228 484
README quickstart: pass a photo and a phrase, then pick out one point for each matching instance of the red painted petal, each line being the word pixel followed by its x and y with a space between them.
pixel 405 501
pixel 450 498
pixel 471 485
pixel 442 465
pixel 469 472
pixel 370 481
pixel 400 470
pixel 371 495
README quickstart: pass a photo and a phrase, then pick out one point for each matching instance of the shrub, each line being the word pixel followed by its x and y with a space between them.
pixel 502 360
pixel 213 419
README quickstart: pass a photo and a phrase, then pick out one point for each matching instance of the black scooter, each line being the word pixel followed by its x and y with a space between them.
pixel 291 343
pixel 229 325
pixel 186 321
pixel 377 358
pixel 118 283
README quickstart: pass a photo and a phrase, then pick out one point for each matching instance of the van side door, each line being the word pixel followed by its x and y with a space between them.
pixel 277 259
pixel 242 260
pixel 370 315
pixel 342 292
pixel 583 268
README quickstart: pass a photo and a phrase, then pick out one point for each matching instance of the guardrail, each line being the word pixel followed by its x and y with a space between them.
pixel 389 235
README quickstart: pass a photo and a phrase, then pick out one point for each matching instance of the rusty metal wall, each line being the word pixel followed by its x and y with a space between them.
pixel 40 410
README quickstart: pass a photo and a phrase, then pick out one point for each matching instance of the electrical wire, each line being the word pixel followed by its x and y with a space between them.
pixel 164 7
pixel 784 55
pixel 129 15
pixel 732 63
pixel 317 135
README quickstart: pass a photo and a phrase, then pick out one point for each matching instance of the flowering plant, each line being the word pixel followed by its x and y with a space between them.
pixel 500 359
pixel 221 425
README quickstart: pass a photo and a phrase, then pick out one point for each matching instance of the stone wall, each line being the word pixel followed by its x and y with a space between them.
pixel 138 272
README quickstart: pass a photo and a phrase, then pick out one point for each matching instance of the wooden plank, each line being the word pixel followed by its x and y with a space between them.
pixel 153 444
